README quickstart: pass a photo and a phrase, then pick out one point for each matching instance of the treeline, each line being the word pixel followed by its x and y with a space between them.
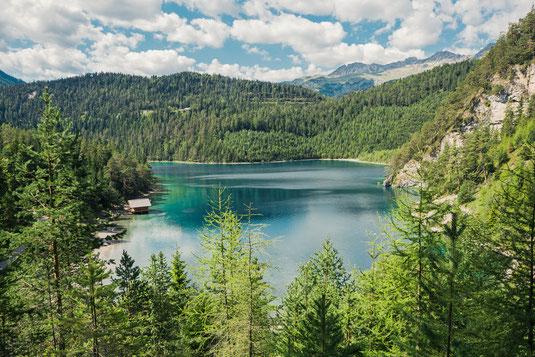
pixel 196 117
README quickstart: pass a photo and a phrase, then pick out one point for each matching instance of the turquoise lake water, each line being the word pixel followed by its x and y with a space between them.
pixel 302 203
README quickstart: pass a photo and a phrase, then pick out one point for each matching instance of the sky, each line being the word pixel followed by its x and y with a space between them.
pixel 272 40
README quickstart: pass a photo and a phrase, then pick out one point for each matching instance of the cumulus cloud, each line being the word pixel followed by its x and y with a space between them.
pixel 420 29
pixel 256 51
pixel 44 39
pixel 45 22
pixel 145 63
pixel 319 43
pixel 347 10
pixel 39 62
pixel 289 30
pixel 119 12
pixel 256 72
pixel 116 53
pixel 211 7
pixel 199 32
pixel 485 20
pixel 110 53
pixel 366 53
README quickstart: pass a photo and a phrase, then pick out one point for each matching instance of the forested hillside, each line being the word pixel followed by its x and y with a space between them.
pixel 196 117
pixel 6 79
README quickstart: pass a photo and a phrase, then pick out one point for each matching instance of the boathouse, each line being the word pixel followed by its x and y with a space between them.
pixel 140 205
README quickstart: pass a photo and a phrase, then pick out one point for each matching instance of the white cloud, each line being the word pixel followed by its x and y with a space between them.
pixel 288 29
pixel 211 7
pixel 319 43
pixel 38 62
pixel 347 10
pixel 120 12
pixel 145 63
pixel 366 53
pixel 110 53
pixel 256 51
pixel 115 53
pixel 295 59
pixel 304 36
pixel 485 20
pixel 420 29
pixel 45 22
pixel 199 32
pixel 43 39
pixel 465 51
pixel 256 72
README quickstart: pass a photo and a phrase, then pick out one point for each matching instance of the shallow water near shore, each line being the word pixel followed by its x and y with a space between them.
pixel 301 202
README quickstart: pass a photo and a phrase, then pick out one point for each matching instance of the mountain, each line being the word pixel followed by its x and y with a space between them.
pixel 6 79
pixel 362 68
pixel 360 76
pixel 195 117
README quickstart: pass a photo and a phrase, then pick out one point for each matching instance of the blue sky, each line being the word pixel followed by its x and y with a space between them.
pixel 273 40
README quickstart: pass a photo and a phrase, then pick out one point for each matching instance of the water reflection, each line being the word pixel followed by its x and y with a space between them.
pixel 302 202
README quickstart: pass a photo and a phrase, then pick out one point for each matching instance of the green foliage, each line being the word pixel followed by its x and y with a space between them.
pixel 232 275
pixel 314 317
pixel 127 274
pixel 94 316
pixel 194 117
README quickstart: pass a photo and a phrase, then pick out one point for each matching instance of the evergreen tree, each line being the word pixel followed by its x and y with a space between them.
pixel 94 316
pixel 157 276
pixel 127 274
pixel 311 316
pixel 61 233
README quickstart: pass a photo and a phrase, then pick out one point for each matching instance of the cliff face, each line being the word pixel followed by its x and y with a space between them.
pixel 489 109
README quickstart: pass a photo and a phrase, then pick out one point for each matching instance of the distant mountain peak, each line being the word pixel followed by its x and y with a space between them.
pixel 361 76
pixel 373 68
pixel 442 55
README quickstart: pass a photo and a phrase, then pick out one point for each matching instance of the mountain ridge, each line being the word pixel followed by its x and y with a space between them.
pixel 360 76
pixel 6 79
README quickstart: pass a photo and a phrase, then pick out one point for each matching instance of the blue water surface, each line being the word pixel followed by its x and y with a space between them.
pixel 301 202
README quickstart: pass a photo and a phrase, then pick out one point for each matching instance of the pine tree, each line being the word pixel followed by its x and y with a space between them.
pixel 157 276
pixel 61 232
pixel 127 274
pixel 94 313
pixel 416 242
pixel 311 316
pixel 233 274
pixel 220 266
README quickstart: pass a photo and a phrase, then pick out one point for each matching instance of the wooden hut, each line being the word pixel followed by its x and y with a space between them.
pixel 140 205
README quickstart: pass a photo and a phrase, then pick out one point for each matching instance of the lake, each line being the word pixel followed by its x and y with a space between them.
pixel 302 202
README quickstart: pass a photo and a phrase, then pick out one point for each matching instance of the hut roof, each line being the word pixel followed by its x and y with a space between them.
pixel 140 202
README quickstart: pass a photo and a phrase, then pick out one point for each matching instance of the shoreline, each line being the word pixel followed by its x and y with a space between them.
pixel 267 162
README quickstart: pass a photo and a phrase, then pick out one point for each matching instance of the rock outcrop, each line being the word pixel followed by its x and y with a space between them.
pixel 490 109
